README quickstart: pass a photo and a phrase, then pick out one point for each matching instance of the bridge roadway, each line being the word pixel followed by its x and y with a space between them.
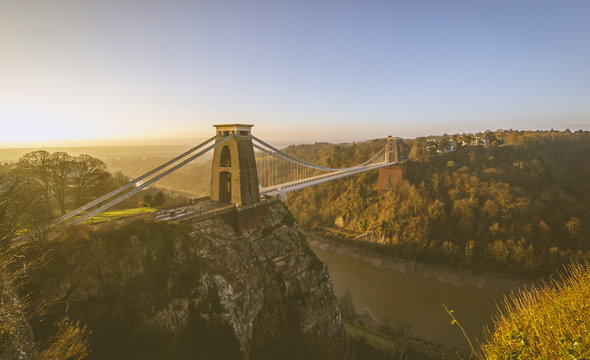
pixel 205 209
pixel 281 189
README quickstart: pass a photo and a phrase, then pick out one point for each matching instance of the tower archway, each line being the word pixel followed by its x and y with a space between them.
pixel 225 158
pixel 224 186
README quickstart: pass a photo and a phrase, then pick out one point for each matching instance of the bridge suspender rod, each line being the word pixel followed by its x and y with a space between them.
pixel 297 185
pixel 283 156
pixel 147 183
pixel 303 162
pixel 130 184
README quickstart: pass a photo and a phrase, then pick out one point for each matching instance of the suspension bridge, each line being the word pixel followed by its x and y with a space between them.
pixel 246 172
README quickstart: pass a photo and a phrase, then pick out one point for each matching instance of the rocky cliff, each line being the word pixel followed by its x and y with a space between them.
pixel 16 336
pixel 151 290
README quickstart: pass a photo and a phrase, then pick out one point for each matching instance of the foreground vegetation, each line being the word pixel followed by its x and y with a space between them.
pixel 66 339
pixel 550 321
pixel 520 204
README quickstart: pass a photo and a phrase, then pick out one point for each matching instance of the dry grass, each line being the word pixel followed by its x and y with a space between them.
pixel 70 342
pixel 550 321
pixel 70 339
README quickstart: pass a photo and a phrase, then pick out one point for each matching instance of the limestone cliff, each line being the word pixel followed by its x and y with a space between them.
pixel 16 336
pixel 151 290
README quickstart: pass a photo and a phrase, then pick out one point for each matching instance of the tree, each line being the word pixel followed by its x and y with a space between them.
pixel 159 199
pixel 37 165
pixel 22 205
pixel 38 221
pixel 120 179
pixel 444 143
pixel 60 167
pixel 147 200
pixel 13 205
pixel 419 150
pixel 490 137
pixel 456 141
pixel 89 178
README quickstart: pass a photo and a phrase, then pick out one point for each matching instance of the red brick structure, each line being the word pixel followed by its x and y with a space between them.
pixel 391 176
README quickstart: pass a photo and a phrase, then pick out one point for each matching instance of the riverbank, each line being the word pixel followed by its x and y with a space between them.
pixel 384 344
pixel 443 274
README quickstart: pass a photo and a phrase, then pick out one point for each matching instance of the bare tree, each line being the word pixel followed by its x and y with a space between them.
pixel 20 202
pixel 37 165
pixel 89 178
pixel 60 169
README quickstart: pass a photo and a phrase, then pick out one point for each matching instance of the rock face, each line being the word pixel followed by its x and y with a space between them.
pixel 152 290
pixel 16 336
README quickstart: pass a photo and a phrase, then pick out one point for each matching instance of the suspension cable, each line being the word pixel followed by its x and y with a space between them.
pixel 149 182
pixel 284 156
pixel 130 184
pixel 312 165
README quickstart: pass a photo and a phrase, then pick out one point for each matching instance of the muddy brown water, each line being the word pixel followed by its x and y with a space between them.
pixel 413 301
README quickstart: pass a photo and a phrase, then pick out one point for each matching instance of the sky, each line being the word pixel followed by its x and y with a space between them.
pixel 308 70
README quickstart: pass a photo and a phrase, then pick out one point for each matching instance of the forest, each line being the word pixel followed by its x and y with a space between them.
pixel 507 201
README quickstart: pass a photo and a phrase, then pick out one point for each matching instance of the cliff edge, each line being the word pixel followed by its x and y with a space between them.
pixel 151 290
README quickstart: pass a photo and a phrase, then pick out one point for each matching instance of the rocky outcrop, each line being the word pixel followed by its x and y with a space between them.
pixel 154 290
pixel 16 336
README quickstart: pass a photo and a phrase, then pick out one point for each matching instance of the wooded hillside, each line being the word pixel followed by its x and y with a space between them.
pixel 521 203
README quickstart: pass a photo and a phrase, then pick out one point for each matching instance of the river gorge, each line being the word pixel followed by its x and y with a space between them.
pixel 412 296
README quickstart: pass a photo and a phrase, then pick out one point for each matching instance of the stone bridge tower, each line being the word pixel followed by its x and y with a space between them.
pixel 398 152
pixel 234 178
pixel 391 176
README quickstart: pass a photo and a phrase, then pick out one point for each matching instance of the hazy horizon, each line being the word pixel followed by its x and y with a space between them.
pixel 192 141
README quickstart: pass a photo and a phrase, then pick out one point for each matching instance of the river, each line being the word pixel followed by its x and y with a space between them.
pixel 412 300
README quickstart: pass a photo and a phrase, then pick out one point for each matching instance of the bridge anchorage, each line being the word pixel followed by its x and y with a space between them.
pixel 246 174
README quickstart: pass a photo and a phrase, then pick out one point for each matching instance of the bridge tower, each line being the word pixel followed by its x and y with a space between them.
pixel 234 178
pixel 391 176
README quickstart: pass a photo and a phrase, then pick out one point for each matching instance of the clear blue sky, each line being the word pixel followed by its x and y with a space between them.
pixel 298 70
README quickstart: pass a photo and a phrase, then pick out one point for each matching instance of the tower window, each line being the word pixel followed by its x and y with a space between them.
pixel 225 158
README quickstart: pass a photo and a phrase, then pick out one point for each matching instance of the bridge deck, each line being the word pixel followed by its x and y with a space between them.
pixel 282 189
pixel 204 210
pixel 200 208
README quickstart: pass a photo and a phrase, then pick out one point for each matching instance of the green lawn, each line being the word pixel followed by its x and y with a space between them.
pixel 117 214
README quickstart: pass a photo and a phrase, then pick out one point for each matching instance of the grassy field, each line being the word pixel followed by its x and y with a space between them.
pixel 117 214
